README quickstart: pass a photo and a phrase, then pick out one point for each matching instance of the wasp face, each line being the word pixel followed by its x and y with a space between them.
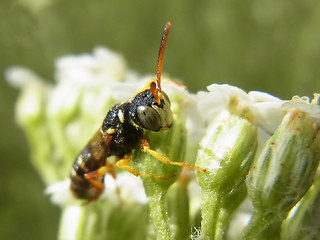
pixel 150 115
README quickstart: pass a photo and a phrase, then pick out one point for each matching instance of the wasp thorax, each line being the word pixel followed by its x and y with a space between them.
pixel 148 114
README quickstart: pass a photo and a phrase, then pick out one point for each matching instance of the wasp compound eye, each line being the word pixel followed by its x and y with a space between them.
pixel 149 118
pixel 166 114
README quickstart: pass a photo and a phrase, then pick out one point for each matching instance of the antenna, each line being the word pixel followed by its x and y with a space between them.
pixel 161 52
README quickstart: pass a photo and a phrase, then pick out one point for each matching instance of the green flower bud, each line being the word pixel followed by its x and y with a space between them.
pixel 226 152
pixel 31 116
pixel 284 170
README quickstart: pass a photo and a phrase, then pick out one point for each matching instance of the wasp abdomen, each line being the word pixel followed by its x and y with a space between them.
pixel 91 158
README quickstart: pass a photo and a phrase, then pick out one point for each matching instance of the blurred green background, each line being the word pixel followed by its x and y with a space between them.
pixel 266 45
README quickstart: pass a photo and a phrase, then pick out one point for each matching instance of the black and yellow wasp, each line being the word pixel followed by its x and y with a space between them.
pixel 120 133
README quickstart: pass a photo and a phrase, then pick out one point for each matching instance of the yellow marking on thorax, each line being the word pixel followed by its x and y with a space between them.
pixel 121 116
pixel 110 131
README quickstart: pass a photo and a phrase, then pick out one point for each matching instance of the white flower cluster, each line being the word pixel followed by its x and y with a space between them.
pixel 87 85
pixel 59 118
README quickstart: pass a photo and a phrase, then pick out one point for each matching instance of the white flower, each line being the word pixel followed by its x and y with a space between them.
pixel 266 108
pixel 59 192
pixel 305 105
pixel 103 65
pixel 21 77
pixel 129 186
pixel 218 98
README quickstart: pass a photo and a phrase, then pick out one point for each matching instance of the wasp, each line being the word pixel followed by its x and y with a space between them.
pixel 120 133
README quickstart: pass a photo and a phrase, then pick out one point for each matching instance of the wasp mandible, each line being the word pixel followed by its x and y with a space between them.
pixel 120 133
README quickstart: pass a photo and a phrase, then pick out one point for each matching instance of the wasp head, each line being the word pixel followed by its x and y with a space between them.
pixel 151 109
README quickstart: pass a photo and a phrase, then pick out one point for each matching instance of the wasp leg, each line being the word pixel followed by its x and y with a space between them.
pixel 163 158
pixel 100 172
pixel 91 176
pixel 124 164
pixel 109 168
pixel 98 185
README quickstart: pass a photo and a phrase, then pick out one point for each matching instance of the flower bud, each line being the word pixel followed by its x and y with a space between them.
pixel 284 170
pixel 226 152
pixel 31 116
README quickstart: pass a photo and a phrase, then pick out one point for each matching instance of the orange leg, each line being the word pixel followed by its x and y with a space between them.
pixel 163 158
pixel 109 168
pixel 124 164
pixel 93 176
pixel 99 173
pixel 98 185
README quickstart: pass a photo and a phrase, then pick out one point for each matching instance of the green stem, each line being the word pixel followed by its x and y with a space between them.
pixel 257 224
pixel 229 203
pixel 159 214
pixel 178 202
pixel 209 212
pixel 272 231
pixel 222 224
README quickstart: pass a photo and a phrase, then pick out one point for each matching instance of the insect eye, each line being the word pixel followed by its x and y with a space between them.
pixel 149 118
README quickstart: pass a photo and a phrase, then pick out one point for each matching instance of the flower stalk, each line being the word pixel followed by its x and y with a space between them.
pixel 227 207
pixel 178 203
